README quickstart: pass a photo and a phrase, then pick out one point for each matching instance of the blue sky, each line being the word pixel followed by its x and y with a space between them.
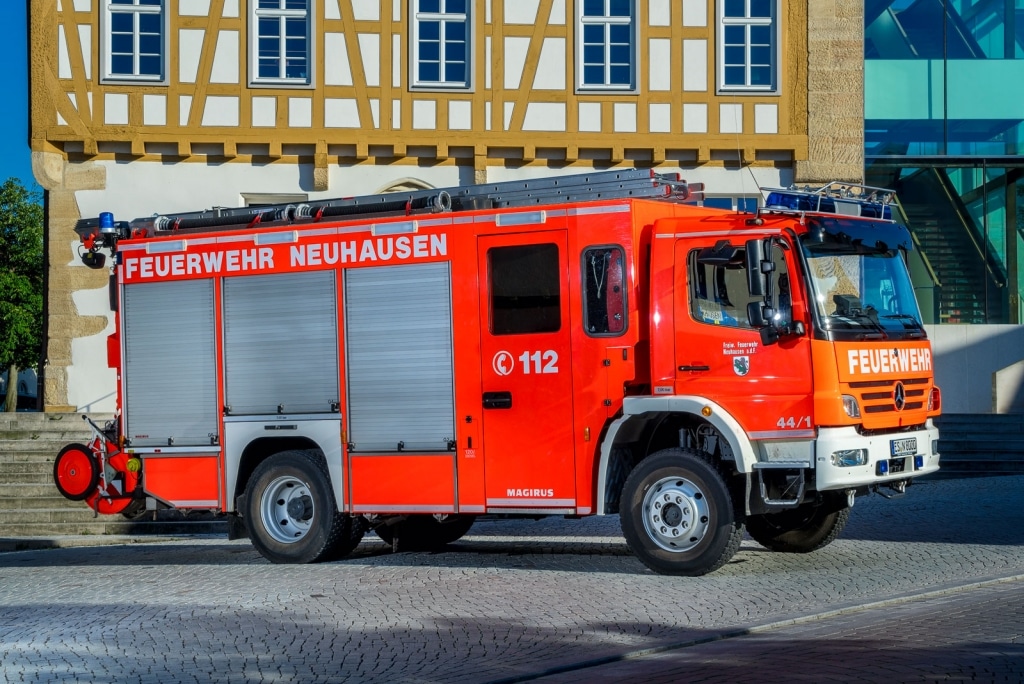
pixel 15 156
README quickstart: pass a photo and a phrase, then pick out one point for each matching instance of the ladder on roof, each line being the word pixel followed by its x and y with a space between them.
pixel 599 185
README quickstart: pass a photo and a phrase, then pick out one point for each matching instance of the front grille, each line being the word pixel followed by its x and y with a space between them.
pixel 876 396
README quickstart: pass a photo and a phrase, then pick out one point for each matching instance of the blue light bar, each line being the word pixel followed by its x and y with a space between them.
pixel 834 198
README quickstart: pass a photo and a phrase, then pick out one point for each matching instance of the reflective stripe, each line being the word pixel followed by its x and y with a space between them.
pixel 532 502
pixel 533 511
pixel 590 211
pixel 175 452
pixel 784 434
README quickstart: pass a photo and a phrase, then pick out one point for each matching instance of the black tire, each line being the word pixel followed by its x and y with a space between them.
pixel 290 510
pixel 802 529
pixel 425 532
pixel 669 495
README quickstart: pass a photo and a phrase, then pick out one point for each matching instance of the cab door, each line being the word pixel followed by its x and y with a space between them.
pixel 526 385
pixel 719 355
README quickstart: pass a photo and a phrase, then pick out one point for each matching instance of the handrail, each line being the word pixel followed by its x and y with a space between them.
pixel 917 243
pixel 965 223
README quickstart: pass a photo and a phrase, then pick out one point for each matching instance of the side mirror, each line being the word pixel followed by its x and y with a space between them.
pixel 769 335
pixel 755 279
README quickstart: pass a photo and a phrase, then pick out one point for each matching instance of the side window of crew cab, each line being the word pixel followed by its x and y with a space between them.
pixel 719 294
pixel 604 291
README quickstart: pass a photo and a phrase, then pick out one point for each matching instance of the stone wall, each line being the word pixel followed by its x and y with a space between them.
pixel 835 93
pixel 61 181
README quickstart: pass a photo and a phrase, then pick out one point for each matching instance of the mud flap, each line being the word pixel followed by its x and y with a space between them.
pixel 236 527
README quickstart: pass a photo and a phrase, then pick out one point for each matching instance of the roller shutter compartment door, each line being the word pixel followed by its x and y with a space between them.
pixel 281 343
pixel 169 370
pixel 398 332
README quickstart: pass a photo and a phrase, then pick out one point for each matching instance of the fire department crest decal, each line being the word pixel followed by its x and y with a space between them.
pixel 741 365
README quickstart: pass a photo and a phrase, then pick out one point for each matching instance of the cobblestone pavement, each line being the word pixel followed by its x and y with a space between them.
pixel 514 601
pixel 973 634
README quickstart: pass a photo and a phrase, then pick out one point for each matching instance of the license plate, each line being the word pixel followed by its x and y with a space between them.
pixel 903 447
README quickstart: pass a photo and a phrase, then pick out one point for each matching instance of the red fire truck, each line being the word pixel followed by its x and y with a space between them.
pixel 581 345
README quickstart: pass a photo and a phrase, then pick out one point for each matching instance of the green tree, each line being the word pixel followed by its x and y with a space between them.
pixel 21 282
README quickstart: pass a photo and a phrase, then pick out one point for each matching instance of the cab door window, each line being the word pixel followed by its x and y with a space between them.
pixel 718 287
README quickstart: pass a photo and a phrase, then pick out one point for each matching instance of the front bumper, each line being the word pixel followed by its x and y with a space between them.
pixel 830 477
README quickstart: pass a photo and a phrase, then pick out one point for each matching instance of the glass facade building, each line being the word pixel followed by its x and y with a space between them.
pixel 944 126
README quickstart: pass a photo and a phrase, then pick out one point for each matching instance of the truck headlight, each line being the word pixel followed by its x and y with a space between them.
pixel 851 406
pixel 848 458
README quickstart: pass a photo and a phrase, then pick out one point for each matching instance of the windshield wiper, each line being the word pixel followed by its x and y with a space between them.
pixel 916 330
pixel 869 314
pixel 905 317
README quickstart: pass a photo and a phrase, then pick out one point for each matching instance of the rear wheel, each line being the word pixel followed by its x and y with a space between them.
pixel 291 513
pixel 799 530
pixel 425 532
pixel 677 514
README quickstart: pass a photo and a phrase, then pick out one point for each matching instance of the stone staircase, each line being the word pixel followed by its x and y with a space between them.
pixel 974 444
pixel 31 506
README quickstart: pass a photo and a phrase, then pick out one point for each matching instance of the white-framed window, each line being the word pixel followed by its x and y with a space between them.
pixel 748 45
pixel 441 43
pixel 606 55
pixel 280 44
pixel 134 39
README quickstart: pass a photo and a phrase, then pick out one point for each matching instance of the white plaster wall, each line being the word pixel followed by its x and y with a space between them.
pixel 766 118
pixel 190 49
pixel 695 65
pixel 590 117
pixel 365 10
pixel 225 58
pixel 85 39
pixel 336 67
pixel 369 48
pixel 515 61
pixel 521 12
pixel 92 386
pixel 544 116
pixel 115 108
pixel 460 115
pixel 695 13
pixel 659 13
pixel 551 65
pixel 660 64
pixel 154 110
pixel 966 359
pixel 63 57
pixel 695 117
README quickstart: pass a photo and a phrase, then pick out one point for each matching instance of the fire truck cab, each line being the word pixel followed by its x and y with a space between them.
pixel 585 345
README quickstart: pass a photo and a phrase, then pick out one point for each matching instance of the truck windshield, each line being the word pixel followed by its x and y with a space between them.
pixel 859 291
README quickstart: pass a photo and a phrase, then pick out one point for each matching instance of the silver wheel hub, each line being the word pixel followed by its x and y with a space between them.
pixel 287 509
pixel 676 514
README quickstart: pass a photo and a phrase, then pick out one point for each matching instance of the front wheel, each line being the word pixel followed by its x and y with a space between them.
pixel 802 529
pixel 677 514
pixel 291 513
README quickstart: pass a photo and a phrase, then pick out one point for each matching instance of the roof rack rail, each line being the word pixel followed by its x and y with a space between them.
pixel 625 183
